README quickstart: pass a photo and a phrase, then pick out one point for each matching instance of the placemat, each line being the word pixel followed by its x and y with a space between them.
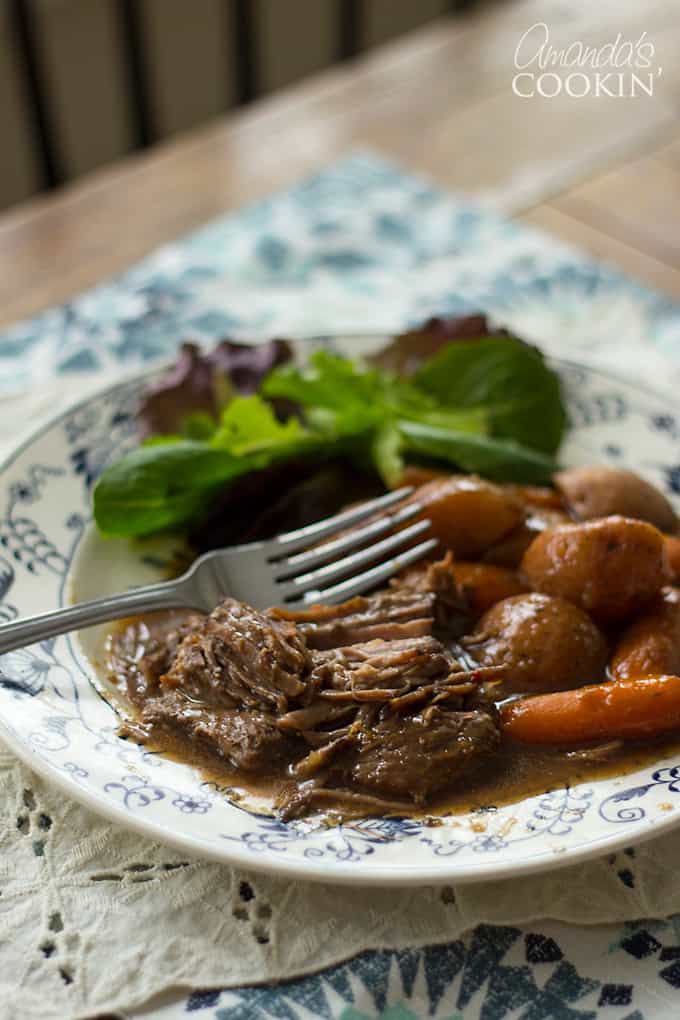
pixel 96 919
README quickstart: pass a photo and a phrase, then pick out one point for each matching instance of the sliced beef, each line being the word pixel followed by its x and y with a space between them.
pixel 414 756
pixel 238 657
pixel 249 740
pixel 381 664
pixel 417 605
pixel 389 616
pixel 312 719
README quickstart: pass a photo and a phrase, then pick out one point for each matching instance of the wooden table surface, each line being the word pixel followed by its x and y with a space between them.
pixel 603 172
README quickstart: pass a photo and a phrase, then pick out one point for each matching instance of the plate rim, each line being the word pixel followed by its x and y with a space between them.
pixel 305 870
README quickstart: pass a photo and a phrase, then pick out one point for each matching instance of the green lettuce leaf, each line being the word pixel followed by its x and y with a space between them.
pixel 170 480
pixel 249 425
pixel 501 460
pixel 161 486
pixel 506 379
pixel 491 406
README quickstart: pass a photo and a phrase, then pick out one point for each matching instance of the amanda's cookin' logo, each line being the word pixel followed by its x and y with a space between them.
pixel 619 68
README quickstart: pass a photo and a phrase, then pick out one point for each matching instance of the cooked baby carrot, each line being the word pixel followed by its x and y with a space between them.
pixel 485 584
pixel 672 543
pixel 622 709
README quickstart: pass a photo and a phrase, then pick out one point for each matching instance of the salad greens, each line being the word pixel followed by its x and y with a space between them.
pixel 506 377
pixel 489 405
pixel 170 479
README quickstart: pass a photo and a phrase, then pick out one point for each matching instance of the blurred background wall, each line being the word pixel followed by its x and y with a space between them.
pixel 83 82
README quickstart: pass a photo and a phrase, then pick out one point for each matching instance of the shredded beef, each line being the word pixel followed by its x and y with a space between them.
pixel 159 642
pixel 389 616
pixel 249 740
pixel 381 664
pixel 414 756
pixel 450 603
pixel 360 701
pixel 239 657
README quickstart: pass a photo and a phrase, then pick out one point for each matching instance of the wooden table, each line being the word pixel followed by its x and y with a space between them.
pixel 601 172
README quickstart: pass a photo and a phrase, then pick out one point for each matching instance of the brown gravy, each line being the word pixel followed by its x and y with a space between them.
pixel 515 772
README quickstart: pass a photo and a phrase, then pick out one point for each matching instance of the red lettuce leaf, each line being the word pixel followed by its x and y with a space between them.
pixel 201 381
pixel 409 350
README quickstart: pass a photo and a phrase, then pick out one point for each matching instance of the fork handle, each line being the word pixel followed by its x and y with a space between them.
pixel 19 633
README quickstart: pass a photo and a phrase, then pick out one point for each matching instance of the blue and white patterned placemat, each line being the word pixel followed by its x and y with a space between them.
pixel 547 971
pixel 365 247
pixel 361 247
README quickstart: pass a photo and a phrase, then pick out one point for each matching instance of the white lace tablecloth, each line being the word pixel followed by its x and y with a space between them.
pixel 95 919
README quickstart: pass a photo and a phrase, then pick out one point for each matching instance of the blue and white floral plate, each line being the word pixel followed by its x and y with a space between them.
pixel 54 714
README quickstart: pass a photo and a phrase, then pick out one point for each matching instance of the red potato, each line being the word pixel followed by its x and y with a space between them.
pixel 651 644
pixel 546 644
pixel 617 710
pixel 540 508
pixel 510 549
pixel 612 568
pixel 592 492
pixel 467 513
pixel 532 496
pixel 536 496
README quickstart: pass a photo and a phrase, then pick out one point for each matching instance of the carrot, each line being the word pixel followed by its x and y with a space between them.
pixel 621 709
pixel 485 584
pixel 672 543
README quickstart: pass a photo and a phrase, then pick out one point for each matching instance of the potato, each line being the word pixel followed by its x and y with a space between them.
pixel 508 552
pixel 536 496
pixel 592 492
pixel 650 646
pixel 611 568
pixel 467 513
pixel 547 644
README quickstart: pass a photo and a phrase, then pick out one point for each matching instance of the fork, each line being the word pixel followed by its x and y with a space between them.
pixel 291 570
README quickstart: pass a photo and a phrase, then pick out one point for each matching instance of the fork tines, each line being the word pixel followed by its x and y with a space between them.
pixel 306 570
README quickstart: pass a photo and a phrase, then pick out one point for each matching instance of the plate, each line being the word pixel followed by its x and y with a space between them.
pixel 55 717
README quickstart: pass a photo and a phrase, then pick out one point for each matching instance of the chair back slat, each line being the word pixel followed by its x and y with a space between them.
pixel 24 32
pixel 244 50
pixel 89 80
pixel 135 63
pixel 349 29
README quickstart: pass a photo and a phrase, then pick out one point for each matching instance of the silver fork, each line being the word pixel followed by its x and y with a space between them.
pixel 291 570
